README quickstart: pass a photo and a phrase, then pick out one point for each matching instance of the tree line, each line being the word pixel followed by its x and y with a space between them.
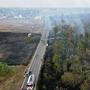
pixel 66 62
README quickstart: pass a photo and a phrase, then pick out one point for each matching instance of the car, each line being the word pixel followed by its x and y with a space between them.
pixel 31 82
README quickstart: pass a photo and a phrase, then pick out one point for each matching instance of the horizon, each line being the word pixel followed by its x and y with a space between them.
pixel 45 3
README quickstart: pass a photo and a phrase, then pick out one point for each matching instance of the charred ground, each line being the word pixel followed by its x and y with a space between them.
pixel 17 48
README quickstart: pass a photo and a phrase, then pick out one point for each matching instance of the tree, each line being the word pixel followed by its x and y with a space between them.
pixel 71 80
pixel 56 62
pixel 76 66
pixel 85 86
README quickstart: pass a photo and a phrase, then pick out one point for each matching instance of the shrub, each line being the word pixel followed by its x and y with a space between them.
pixel 6 69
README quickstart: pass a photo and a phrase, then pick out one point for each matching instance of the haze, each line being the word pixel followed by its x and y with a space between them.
pixel 45 3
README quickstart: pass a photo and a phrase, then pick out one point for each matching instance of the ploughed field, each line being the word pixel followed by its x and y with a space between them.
pixel 17 48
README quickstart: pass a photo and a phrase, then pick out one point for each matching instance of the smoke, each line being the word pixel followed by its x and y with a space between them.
pixel 79 26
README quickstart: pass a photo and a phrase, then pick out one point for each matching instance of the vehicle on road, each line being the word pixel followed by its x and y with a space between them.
pixel 28 73
pixel 31 82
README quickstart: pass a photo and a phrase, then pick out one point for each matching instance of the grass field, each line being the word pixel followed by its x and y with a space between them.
pixel 14 82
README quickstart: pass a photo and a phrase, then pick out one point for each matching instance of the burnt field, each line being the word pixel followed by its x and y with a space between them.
pixel 17 48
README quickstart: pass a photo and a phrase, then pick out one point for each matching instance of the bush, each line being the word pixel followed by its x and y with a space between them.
pixel 6 69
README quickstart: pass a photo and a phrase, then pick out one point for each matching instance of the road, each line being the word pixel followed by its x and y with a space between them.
pixel 37 60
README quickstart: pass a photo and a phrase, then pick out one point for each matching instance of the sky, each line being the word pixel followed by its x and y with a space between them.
pixel 45 3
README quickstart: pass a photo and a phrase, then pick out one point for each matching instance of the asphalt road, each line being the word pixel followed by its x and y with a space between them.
pixel 37 60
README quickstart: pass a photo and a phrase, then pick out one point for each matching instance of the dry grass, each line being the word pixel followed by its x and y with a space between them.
pixel 20 26
pixel 14 82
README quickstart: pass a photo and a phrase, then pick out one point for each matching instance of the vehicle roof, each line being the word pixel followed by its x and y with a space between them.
pixel 31 79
